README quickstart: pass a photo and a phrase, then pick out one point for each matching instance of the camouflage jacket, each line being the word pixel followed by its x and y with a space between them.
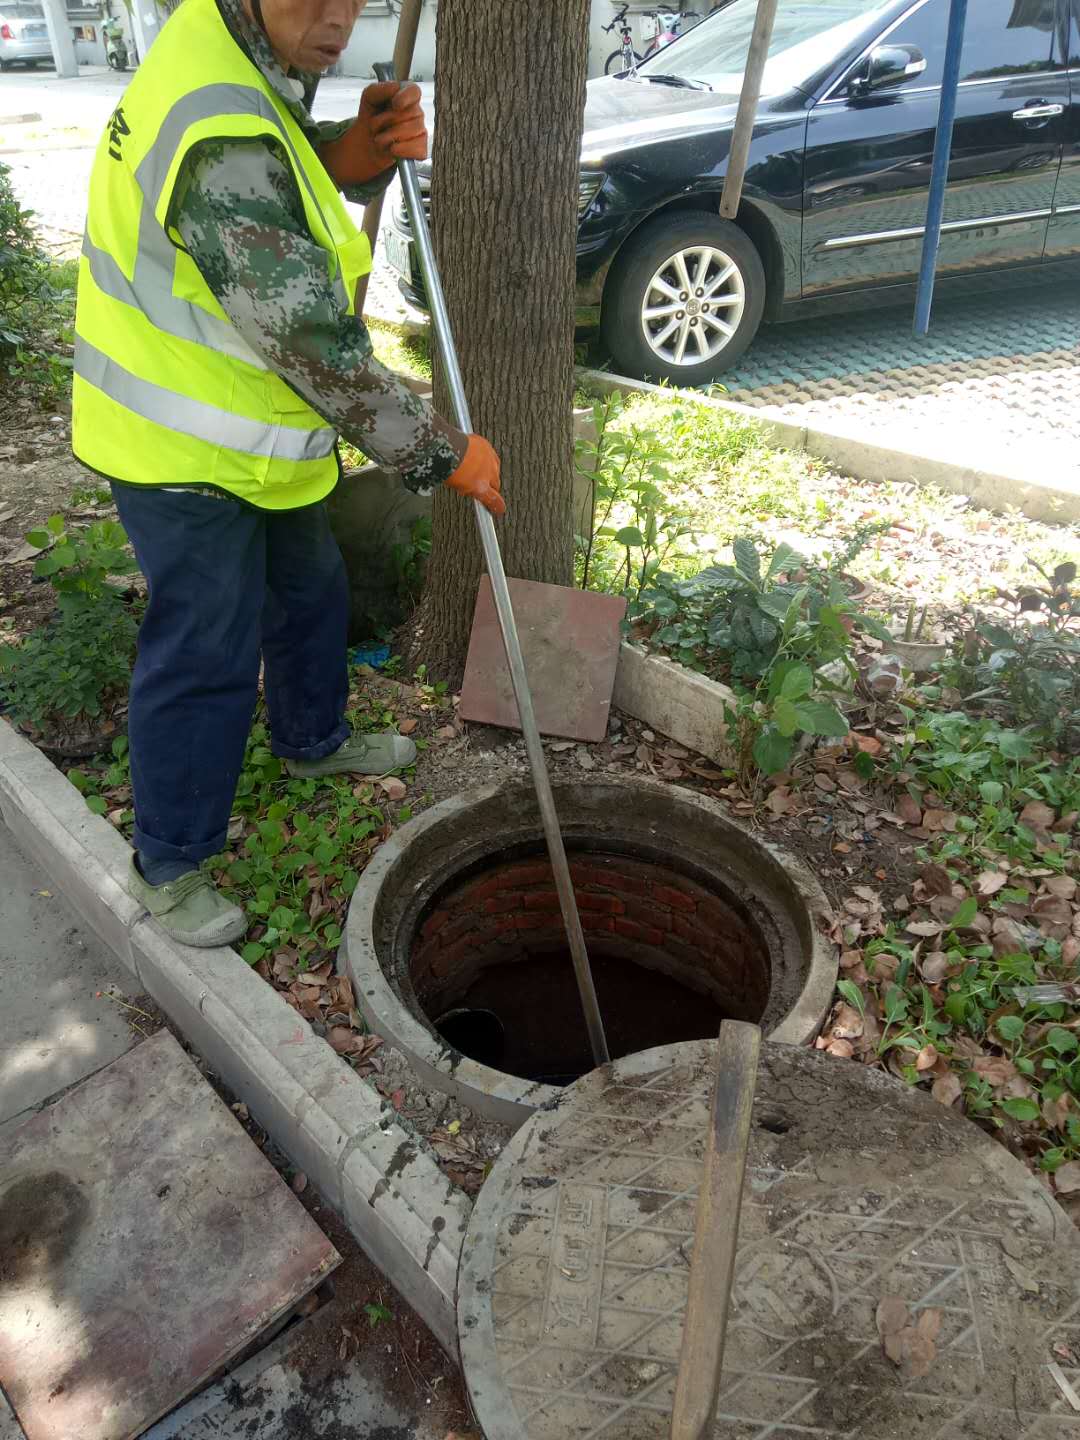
pixel 237 209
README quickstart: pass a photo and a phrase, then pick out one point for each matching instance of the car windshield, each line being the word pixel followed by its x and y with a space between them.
pixel 807 35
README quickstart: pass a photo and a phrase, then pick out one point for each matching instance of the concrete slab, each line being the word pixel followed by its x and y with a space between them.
pixel 270 1397
pixel 144 1242
pixel 54 1030
pixel 570 641
pixel 331 1124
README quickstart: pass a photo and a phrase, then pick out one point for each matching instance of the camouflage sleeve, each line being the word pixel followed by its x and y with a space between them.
pixel 238 212
pixel 327 130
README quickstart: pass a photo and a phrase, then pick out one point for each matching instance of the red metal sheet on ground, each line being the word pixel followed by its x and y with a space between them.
pixel 570 640
pixel 144 1242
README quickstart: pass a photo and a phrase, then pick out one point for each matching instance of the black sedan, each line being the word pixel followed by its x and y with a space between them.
pixel 834 204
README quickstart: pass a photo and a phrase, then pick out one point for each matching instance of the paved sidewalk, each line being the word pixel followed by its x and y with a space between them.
pixel 56 1027
pixel 996 382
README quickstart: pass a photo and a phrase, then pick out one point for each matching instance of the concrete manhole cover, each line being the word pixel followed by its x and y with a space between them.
pixel 574 1276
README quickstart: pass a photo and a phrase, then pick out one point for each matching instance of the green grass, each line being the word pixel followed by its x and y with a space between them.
pixel 938 550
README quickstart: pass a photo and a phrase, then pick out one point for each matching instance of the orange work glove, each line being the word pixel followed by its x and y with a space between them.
pixel 389 127
pixel 477 477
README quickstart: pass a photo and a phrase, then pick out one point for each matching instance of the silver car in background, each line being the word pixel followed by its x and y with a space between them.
pixel 24 36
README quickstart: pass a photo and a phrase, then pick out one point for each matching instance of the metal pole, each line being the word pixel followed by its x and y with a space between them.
pixel 440 319
pixel 746 116
pixel 404 49
pixel 939 174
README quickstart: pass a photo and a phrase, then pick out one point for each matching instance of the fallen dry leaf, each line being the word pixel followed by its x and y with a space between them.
pixel 840 1049
pixel 936 879
pixel 994 1069
pixel 1067 1178
pixel 946 1089
pixel 909 810
pixel 407 726
pixel 929 1323
pixel 917 1353
pixel 299 1182
pixel 892 1315
pixel 1063 886
pixel 340 1038
pixel 847 1023
pixel 1037 816
pixel 393 788
pixel 927 1058
pixel 991 881
pixel 934 967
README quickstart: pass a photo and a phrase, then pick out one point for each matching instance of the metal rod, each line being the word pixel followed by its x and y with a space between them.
pixel 404 50
pixel 716 1233
pixel 746 116
pixel 440 319
pixel 939 173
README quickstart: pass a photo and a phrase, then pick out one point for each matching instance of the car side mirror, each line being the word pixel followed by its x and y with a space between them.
pixel 888 65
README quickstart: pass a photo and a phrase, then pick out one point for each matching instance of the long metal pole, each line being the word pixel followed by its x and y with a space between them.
pixel 746 115
pixel 939 174
pixel 404 50
pixel 440 319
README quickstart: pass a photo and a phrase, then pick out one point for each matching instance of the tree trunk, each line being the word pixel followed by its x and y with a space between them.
pixel 510 95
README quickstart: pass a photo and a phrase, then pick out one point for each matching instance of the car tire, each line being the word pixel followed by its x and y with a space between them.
pixel 651 274
pixel 616 65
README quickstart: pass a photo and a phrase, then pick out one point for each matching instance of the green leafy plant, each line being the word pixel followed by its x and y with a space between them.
pixel 627 530
pixel 410 561
pixel 23 267
pixel 1028 667
pixel 79 562
pixel 73 670
pixel 377 1314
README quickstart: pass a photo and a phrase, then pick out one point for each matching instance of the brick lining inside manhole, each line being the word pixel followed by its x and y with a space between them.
pixel 671 957
pixel 689 917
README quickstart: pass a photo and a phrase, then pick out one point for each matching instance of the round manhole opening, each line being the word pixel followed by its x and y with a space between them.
pixel 456 947
pixel 672 955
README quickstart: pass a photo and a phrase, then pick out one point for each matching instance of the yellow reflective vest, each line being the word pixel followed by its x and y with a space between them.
pixel 166 390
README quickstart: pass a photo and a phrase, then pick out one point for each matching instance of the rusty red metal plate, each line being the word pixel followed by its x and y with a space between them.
pixel 144 1242
pixel 570 640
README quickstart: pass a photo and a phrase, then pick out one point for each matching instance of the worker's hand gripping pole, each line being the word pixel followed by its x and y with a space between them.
pixel 440 319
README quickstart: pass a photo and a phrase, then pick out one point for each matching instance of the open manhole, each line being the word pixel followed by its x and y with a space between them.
pixel 456 947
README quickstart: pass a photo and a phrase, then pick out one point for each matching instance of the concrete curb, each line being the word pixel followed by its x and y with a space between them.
pixel 686 707
pixel 949 467
pixel 387 1188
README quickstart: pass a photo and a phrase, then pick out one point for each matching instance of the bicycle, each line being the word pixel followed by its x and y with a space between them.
pixel 626 59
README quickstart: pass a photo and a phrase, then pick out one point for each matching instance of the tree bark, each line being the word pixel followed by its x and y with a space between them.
pixel 510 96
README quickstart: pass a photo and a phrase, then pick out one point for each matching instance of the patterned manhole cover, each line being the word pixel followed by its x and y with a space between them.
pixel 574 1277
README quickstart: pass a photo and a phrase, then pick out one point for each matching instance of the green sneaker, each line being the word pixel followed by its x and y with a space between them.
pixel 190 909
pixel 360 755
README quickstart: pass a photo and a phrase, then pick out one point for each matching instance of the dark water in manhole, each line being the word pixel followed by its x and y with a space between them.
pixel 541 1033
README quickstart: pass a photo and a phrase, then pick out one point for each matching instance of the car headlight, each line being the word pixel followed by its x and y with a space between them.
pixel 590 183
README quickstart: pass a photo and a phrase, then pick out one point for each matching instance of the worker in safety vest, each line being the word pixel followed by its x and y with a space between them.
pixel 218 357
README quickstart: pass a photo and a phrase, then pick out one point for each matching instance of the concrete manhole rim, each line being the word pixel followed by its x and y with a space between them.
pixel 502 1096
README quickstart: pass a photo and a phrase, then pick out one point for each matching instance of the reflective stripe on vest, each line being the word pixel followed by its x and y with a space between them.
pixel 152 341
pixel 195 417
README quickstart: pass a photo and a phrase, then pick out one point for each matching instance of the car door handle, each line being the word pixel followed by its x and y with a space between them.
pixel 1039 112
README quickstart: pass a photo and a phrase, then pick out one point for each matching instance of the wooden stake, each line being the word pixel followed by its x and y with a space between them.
pixel 746 115
pixel 716 1233
pixel 404 50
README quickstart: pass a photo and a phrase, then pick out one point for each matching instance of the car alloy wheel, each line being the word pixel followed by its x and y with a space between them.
pixel 693 305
